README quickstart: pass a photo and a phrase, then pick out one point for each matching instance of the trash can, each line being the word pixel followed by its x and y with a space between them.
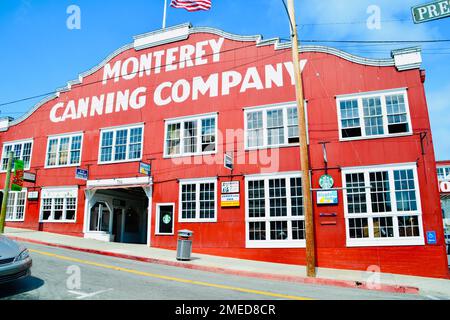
pixel 184 247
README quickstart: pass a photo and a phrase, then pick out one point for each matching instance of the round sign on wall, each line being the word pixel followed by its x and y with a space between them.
pixel 166 219
pixel 326 181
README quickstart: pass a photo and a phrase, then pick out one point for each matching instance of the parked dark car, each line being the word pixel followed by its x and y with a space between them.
pixel 15 261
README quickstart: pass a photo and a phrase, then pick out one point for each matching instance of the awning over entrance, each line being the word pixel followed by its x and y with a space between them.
pixel 119 183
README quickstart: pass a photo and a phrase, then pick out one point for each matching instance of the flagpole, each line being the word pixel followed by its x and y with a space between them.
pixel 165 15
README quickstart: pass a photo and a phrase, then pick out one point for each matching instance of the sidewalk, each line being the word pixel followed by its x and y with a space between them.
pixel 274 271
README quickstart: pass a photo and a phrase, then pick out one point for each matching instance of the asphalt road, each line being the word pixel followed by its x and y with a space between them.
pixel 70 275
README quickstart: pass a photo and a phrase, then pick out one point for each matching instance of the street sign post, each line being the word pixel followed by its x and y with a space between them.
pixel 431 11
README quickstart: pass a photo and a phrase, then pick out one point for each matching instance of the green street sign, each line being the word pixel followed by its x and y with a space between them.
pixel 431 11
pixel 17 182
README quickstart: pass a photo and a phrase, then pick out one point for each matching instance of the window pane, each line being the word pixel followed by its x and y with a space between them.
pixel 51 152
pixel 256 199
pixel 63 151
pixel 26 154
pixel 373 119
pixel 207 201
pixel 209 135
pixel 71 208
pixel 121 145
pixel 278 230
pixel 298 230
pixel 383 227
pixel 6 150
pixel 173 139
pixel 46 209
pixel 135 144
pixel 379 191
pixel 296 197
pixel 190 137
pixel 356 193
pixel 277 197
pixel 408 226
pixel 358 228
pixel 350 121
pixel 292 117
pixel 405 192
pixel 59 208
pixel 275 127
pixel 255 129
pixel 188 201
pixel 257 231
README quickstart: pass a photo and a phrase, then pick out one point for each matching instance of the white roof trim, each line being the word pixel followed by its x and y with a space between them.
pixel 258 39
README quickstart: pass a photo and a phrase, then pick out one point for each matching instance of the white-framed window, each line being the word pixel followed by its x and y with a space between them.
pixel 382 205
pixel 443 173
pixel 196 135
pixel 64 150
pixel 198 200
pixel 17 202
pixel 59 204
pixel 121 144
pixel 271 126
pixel 274 211
pixel 22 151
pixel 373 114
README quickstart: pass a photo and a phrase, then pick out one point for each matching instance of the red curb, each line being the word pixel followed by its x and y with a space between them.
pixel 268 276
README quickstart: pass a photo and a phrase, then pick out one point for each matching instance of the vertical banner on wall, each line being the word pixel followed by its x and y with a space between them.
pixel 17 182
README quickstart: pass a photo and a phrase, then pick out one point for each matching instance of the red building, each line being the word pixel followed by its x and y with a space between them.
pixel 182 98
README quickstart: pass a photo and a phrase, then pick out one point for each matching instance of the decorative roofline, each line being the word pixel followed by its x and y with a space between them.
pixel 183 31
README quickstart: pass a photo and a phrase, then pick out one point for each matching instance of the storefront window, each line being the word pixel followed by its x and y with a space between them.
pixel 275 212
pixel 198 201
pixel 381 205
pixel 15 211
pixel 59 205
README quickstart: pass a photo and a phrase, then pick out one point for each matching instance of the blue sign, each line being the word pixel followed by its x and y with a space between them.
pixel 327 197
pixel 431 237
pixel 145 168
pixel 81 174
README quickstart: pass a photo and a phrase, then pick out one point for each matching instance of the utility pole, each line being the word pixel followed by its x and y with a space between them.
pixel 304 157
pixel 6 192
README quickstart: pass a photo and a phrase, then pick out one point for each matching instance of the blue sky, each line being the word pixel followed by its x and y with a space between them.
pixel 39 53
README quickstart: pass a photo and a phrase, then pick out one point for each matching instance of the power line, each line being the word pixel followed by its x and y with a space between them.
pixel 350 22
pixel 361 42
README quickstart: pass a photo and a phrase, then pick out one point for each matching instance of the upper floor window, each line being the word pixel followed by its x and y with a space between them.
pixel 374 114
pixel 198 200
pixel 21 151
pixel 121 144
pixel 271 126
pixel 443 173
pixel 15 210
pixel 274 216
pixel 191 136
pixel 64 150
pixel 59 205
pixel 382 206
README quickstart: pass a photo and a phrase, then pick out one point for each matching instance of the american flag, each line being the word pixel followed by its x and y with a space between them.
pixel 192 5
